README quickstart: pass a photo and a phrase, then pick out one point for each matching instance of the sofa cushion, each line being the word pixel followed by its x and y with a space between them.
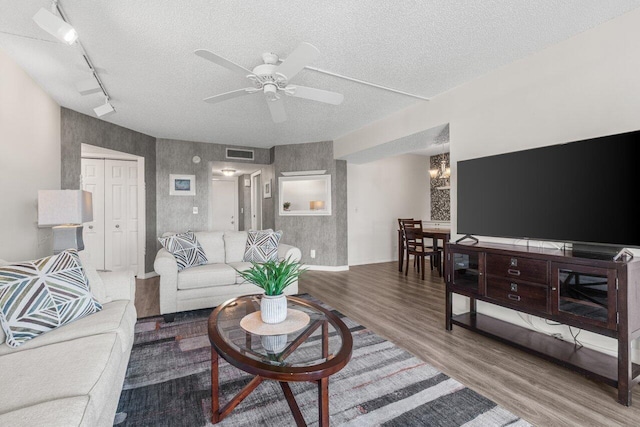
pixel 59 412
pixel 235 243
pixel 117 316
pixel 240 266
pixel 212 243
pixel 205 276
pixel 262 246
pixel 185 248
pixel 85 366
pixel 41 295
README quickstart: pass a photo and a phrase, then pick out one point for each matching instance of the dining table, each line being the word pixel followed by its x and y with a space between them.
pixel 436 234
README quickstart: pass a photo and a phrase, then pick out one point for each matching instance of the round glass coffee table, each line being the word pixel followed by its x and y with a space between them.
pixel 319 348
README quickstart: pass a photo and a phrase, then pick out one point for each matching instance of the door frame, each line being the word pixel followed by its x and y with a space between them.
pixel 92 152
pixel 256 198
pixel 235 204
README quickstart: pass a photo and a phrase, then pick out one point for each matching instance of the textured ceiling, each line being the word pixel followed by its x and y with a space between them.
pixel 144 53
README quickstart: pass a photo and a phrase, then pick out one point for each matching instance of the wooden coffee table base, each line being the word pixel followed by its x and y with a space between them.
pixel 219 414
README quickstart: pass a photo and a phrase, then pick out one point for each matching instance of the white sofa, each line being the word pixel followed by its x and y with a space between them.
pixel 73 375
pixel 217 281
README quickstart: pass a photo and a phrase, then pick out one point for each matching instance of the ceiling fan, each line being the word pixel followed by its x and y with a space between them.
pixel 272 79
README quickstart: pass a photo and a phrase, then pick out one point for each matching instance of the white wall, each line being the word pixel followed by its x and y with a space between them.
pixel 378 193
pixel 584 87
pixel 29 161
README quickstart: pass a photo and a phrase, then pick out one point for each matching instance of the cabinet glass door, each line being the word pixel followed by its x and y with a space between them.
pixel 466 273
pixel 588 295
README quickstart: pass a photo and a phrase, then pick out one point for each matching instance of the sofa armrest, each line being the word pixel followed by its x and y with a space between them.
pixel 119 285
pixel 166 266
pixel 288 251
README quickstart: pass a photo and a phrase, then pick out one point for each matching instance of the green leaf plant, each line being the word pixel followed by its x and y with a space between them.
pixel 273 276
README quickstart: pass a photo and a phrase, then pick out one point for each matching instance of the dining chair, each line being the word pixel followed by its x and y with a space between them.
pixel 415 245
pixel 402 239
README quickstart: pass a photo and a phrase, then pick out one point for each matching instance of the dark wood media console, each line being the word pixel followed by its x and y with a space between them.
pixel 600 296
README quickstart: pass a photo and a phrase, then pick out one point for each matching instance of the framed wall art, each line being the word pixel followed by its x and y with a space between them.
pixel 182 185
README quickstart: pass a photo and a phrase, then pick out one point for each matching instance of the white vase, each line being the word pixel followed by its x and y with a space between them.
pixel 274 343
pixel 273 309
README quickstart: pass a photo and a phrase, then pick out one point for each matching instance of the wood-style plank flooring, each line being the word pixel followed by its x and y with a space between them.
pixel 410 313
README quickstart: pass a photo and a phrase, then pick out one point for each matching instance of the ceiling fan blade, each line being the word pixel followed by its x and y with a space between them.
pixel 297 60
pixel 314 94
pixel 229 95
pixel 210 56
pixel 278 114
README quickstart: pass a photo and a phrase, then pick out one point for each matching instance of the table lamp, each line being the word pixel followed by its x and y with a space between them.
pixel 65 211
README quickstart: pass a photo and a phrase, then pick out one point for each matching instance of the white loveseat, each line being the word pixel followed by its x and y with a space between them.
pixel 72 375
pixel 217 281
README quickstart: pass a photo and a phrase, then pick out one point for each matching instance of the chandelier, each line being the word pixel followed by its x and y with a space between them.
pixel 442 172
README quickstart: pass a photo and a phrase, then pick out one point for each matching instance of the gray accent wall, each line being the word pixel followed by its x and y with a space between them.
pixel 326 234
pixel 77 128
pixel 175 213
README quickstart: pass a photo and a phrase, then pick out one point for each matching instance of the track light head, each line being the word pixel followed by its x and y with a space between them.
pixel 104 109
pixel 55 26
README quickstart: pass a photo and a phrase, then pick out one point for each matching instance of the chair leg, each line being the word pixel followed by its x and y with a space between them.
pixel 406 270
pixel 422 262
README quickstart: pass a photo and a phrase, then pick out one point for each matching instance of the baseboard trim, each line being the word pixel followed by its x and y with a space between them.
pixel 327 267
pixel 148 275
pixel 374 262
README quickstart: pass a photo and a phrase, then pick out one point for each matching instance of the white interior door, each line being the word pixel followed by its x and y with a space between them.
pixel 256 201
pixel 224 206
pixel 119 185
pixel 93 232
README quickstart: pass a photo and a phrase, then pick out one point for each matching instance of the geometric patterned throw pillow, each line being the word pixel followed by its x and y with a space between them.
pixel 185 248
pixel 262 246
pixel 41 295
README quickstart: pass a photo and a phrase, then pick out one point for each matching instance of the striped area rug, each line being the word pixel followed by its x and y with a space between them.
pixel 168 384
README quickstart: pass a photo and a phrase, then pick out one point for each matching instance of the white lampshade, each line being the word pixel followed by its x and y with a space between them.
pixel 58 207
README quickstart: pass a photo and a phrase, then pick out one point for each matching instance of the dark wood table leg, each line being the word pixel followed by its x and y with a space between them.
pixel 215 397
pixel 293 405
pixel 323 402
pixel 400 251
pixel 325 339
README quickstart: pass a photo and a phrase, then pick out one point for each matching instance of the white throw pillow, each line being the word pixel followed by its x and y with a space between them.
pixel 262 246
pixel 185 248
pixel 98 289
pixel 41 295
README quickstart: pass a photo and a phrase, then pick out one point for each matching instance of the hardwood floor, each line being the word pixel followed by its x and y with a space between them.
pixel 410 313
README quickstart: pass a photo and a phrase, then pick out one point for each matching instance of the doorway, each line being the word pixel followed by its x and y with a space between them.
pixel 115 238
pixel 224 203
pixel 256 200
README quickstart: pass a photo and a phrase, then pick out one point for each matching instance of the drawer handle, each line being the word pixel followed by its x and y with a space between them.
pixel 514 297
pixel 514 272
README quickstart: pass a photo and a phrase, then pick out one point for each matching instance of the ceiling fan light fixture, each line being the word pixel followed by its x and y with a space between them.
pixel 56 26
pixel 271 92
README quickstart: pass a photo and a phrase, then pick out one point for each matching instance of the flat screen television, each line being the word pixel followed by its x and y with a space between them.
pixel 582 192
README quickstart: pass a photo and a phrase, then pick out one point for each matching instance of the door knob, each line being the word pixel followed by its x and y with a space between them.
pixel 91 227
pixel 117 225
pixel 232 222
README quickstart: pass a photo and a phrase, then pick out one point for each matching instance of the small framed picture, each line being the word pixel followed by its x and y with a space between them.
pixel 267 189
pixel 182 185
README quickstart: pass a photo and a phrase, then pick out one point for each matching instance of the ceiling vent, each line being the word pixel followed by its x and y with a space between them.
pixel 237 154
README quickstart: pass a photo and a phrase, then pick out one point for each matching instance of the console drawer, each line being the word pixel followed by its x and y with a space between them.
pixel 530 270
pixel 527 296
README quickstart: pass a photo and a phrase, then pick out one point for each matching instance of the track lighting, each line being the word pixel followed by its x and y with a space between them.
pixel 104 109
pixel 88 86
pixel 56 26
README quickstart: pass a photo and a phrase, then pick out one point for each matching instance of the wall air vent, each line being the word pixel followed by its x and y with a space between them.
pixel 238 154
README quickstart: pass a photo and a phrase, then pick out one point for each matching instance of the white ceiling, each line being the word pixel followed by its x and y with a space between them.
pixel 144 53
